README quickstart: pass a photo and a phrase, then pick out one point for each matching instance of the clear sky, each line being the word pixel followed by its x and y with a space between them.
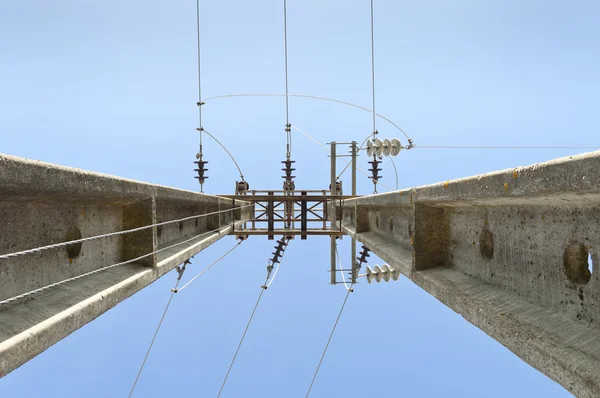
pixel 111 86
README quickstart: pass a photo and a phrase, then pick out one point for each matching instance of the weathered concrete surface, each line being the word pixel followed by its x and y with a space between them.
pixel 509 252
pixel 41 204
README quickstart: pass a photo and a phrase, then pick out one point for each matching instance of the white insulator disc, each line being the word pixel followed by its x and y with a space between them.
pixel 396 147
pixel 378 146
pixel 395 274
pixel 387 147
pixel 370 148
pixel 369 274
pixel 386 272
pixel 378 273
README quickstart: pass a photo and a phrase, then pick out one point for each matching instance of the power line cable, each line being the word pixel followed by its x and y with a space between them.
pixel 373 67
pixel 133 260
pixel 328 341
pixel 156 333
pixel 341 268
pixel 175 290
pixel 288 131
pixel 310 97
pixel 229 153
pixel 503 147
pixel 111 234
pixel 262 290
pixel 199 75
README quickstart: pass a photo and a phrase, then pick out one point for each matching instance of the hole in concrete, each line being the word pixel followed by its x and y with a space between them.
pixel 391 225
pixel 590 263
pixel 196 223
pixel 486 245
pixel 74 250
pixel 159 230
pixel 578 264
pixel 180 226
pixel 377 220
pixel 410 230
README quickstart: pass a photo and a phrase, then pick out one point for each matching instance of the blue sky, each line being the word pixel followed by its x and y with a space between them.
pixel 110 86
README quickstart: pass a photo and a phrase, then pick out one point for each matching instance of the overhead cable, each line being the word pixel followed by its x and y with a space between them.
pixel 262 290
pixel 229 153
pixel 328 341
pixel 180 272
pixel 503 147
pixel 175 290
pixel 111 234
pixel 133 260
pixel 311 97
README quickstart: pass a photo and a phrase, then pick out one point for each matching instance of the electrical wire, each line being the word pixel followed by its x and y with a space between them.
pixel 154 338
pixel 274 275
pixel 328 341
pixel 287 104
pixel 341 267
pixel 262 290
pixel 288 131
pixel 229 153
pixel 395 171
pixel 503 147
pixel 175 290
pixel 373 67
pixel 199 75
pixel 30 293
pixel 311 97
pixel 111 234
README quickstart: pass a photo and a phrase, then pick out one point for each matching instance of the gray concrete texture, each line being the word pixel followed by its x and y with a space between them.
pixel 42 204
pixel 509 251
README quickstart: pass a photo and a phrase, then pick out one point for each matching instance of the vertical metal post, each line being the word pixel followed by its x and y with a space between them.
pixel 334 212
pixel 303 216
pixel 270 216
pixel 353 247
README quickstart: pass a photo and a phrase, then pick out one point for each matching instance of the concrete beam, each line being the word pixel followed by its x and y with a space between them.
pixel 42 204
pixel 509 252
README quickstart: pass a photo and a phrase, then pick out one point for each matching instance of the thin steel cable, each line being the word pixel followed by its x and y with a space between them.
pixel 199 74
pixel 262 290
pixel 229 153
pixel 311 97
pixel 395 171
pixel 153 338
pixel 207 268
pixel 30 293
pixel 373 66
pixel 287 105
pixel 341 267
pixel 111 234
pixel 328 341
pixel 503 147
pixel 348 162
pixel 274 275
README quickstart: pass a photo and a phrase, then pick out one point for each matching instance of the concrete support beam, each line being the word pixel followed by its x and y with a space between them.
pixel 42 204
pixel 509 251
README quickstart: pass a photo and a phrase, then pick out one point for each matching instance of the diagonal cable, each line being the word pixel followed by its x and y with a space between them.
pixel 153 339
pixel 175 290
pixel 328 341
pixel 111 234
pixel 262 290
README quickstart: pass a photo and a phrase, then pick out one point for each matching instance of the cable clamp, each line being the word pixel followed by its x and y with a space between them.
pixel 181 270
pixel 288 127
pixel 200 103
